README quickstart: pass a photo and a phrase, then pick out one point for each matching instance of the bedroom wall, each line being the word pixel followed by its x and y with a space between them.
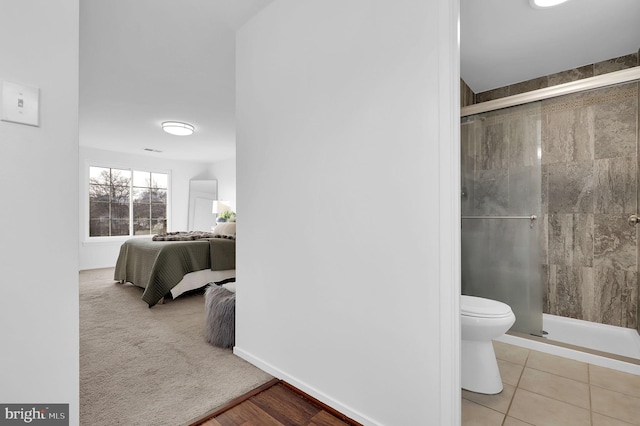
pixel 225 173
pixel 39 185
pixel 103 254
pixel 347 142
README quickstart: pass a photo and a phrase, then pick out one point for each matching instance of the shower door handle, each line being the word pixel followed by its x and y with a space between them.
pixel 633 220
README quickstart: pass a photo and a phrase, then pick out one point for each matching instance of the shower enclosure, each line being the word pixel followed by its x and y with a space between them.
pixel 549 184
pixel 501 208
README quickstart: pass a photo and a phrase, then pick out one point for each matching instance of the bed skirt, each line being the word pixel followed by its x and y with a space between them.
pixel 198 279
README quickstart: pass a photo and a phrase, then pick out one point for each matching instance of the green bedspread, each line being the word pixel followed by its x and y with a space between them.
pixel 158 266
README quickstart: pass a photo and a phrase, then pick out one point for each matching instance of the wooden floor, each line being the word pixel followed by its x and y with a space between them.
pixel 276 403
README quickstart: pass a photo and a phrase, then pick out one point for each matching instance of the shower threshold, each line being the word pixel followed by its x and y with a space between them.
pixel 598 344
pixel 618 341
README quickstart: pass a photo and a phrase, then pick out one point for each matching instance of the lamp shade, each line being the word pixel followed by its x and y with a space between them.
pixel 542 4
pixel 177 128
pixel 220 207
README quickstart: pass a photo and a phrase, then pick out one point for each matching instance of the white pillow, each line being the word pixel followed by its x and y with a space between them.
pixel 227 229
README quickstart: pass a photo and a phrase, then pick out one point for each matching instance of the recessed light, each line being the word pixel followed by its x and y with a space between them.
pixel 543 4
pixel 177 128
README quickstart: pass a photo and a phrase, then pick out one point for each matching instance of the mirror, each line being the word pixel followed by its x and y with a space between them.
pixel 202 194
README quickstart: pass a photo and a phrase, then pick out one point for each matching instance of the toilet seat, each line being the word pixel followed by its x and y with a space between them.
pixel 479 307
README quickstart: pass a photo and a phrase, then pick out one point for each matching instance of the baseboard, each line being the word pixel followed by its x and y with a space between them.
pixel 91 268
pixel 310 390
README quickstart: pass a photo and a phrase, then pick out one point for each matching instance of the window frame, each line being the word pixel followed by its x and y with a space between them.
pixel 87 199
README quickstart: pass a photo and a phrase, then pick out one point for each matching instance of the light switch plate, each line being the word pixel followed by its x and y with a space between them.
pixel 20 104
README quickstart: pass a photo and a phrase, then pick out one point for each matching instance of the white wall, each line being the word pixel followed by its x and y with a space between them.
pixel 103 254
pixel 347 138
pixel 39 186
pixel 225 173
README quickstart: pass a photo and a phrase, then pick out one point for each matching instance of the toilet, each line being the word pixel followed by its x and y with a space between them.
pixel 481 321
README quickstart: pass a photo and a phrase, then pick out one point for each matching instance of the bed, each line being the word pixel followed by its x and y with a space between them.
pixel 170 267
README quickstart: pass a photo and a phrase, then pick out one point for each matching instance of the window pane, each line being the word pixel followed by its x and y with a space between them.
pixel 159 225
pixel 141 211
pixel 98 192
pixel 99 227
pixel 158 195
pixel 98 210
pixel 120 188
pixel 159 180
pixel 120 226
pixel 141 227
pixel 141 179
pixel 141 195
pixel 139 230
pixel 99 175
pixel 99 219
pixel 120 177
pixel 120 194
pixel 159 218
pixel 158 210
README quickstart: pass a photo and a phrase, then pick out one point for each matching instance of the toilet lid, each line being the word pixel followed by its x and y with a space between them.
pixel 480 307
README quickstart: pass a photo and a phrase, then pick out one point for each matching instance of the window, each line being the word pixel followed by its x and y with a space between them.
pixel 126 202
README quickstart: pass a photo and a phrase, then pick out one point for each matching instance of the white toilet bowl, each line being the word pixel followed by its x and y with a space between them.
pixel 482 320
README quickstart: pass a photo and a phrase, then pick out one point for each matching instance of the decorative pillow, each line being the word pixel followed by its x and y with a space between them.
pixel 225 229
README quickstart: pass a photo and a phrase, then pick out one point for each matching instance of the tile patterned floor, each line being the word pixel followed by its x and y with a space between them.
pixel 547 390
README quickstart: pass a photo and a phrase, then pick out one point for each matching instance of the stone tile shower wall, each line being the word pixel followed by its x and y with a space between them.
pixel 589 187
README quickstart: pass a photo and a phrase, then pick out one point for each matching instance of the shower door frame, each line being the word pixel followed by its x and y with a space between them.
pixel 617 77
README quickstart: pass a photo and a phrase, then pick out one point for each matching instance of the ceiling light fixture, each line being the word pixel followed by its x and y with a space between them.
pixel 177 128
pixel 543 4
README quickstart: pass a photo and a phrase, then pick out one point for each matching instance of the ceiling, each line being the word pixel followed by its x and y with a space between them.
pixel 143 62
pixel 507 41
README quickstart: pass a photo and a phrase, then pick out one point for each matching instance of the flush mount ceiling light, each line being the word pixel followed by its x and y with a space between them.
pixel 543 4
pixel 177 128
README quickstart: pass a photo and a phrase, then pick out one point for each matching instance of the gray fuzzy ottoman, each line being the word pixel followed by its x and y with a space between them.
pixel 220 316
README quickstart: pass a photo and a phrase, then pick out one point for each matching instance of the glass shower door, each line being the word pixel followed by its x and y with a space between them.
pixel 501 211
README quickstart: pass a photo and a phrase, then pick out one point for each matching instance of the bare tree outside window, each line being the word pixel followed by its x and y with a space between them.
pixel 149 203
pixel 125 202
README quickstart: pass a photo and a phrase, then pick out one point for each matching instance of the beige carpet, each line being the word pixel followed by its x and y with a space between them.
pixel 141 366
